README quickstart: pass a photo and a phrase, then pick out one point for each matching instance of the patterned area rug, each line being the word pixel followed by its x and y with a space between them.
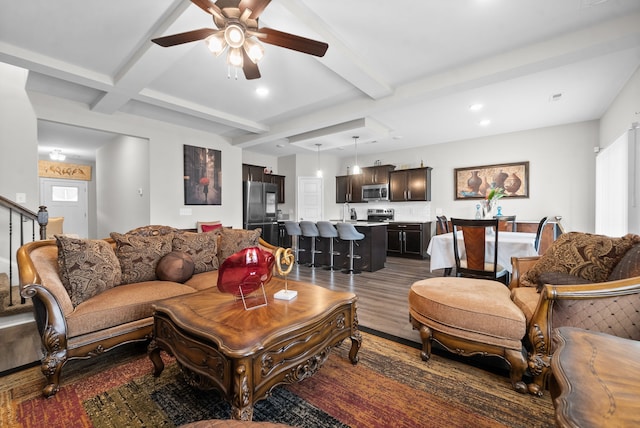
pixel 390 386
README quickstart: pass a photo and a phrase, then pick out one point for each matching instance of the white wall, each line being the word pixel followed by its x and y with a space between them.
pixel 18 159
pixel 624 111
pixel 561 172
pixel 164 162
pixel 18 138
pixel 122 185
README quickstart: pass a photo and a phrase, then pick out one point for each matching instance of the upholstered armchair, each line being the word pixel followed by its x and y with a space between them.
pixel 594 284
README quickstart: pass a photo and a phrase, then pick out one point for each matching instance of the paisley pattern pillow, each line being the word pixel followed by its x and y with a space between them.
pixel 234 240
pixel 87 267
pixel 588 256
pixel 202 247
pixel 139 255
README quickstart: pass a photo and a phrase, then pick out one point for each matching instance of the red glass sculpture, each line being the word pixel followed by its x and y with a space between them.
pixel 245 271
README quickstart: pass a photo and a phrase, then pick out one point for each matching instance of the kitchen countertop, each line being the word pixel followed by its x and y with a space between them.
pixel 362 222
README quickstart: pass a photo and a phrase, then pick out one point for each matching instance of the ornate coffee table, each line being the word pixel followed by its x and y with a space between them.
pixel 246 353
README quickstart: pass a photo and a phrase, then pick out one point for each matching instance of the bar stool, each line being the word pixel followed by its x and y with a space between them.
pixel 328 230
pixel 348 232
pixel 310 230
pixel 294 231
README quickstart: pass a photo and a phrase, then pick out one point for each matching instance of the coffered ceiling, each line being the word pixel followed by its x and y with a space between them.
pixel 398 74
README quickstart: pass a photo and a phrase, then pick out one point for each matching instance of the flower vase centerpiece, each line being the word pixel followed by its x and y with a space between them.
pixel 489 203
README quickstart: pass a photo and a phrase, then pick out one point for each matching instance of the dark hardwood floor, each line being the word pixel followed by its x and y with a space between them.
pixel 382 295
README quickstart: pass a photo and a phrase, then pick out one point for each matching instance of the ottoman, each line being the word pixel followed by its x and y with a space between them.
pixel 470 317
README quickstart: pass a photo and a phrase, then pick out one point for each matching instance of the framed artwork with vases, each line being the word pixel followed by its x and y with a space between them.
pixel 202 176
pixel 476 182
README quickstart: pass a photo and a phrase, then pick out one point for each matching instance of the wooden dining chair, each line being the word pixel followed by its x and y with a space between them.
pixel 442 225
pixel 541 225
pixel 477 236
pixel 506 223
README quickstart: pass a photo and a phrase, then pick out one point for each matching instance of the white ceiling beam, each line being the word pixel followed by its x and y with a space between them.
pixel 596 41
pixel 339 58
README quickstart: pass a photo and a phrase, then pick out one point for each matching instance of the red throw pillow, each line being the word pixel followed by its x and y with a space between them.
pixel 210 227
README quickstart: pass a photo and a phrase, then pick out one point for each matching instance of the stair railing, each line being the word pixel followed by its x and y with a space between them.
pixel 22 215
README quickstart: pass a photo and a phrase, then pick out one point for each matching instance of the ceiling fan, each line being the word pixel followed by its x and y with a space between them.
pixel 237 29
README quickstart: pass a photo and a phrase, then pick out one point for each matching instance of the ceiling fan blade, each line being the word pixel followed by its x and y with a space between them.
pixel 209 7
pixel 249 68
pixel 256 7
pixel 180 38
pixel 291 41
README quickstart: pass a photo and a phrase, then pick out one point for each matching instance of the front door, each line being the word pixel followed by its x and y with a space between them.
pixel 68 199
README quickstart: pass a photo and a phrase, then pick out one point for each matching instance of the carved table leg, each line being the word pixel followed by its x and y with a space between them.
pixel 356 342
pixel 242 395
pixel 153 351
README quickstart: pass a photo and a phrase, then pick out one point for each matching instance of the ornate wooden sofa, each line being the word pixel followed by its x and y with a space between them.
pixel 90 296
pixel 583 280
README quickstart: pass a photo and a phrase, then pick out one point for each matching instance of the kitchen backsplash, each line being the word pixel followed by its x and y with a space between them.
pixel 404 211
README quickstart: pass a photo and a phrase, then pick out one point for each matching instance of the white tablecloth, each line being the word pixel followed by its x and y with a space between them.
pixel 510 244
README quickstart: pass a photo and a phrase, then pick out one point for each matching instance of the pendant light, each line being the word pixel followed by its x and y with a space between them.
pixel 318 170
pixel 356 168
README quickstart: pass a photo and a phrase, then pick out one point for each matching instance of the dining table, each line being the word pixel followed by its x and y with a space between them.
pixel 510 244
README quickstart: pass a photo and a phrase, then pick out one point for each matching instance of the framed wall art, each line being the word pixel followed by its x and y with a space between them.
pixel 474 182
pixel 69 171
pixel 202 176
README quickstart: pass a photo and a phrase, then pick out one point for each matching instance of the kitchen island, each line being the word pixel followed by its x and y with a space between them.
pixel 372 249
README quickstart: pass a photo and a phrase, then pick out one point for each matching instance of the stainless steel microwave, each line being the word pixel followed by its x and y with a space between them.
pixel 375 192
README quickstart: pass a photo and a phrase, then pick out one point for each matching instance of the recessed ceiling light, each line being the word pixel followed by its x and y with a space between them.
pixel 555 97
pixel 476 107
pixel 262 91
pixel 484 122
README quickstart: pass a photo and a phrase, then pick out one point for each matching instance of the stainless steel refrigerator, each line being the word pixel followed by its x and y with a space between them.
pixel 260 209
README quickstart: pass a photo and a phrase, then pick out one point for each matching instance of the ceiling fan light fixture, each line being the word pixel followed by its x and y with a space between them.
pixel 234 58
pixel 234 35
pixel 254 49
pixel 216 43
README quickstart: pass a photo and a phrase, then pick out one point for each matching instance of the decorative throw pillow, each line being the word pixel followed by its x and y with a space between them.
pixel 202 247
pixel 207 226
pixel 591 257
pixel 87 267
pixel 559 278
pixel 175 266
pixel 210 227
pixel 139 255
pixel 629 265
pixel 234 240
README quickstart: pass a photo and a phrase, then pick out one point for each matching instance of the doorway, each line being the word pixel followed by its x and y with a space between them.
pixel 68 199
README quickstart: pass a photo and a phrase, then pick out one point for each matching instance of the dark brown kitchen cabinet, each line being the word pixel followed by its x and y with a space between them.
pixel 279 181
pixel 256 173
pixel 348 188
pixel 252 172
pixel 410 185
pixel 378 174
pixel 408 239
